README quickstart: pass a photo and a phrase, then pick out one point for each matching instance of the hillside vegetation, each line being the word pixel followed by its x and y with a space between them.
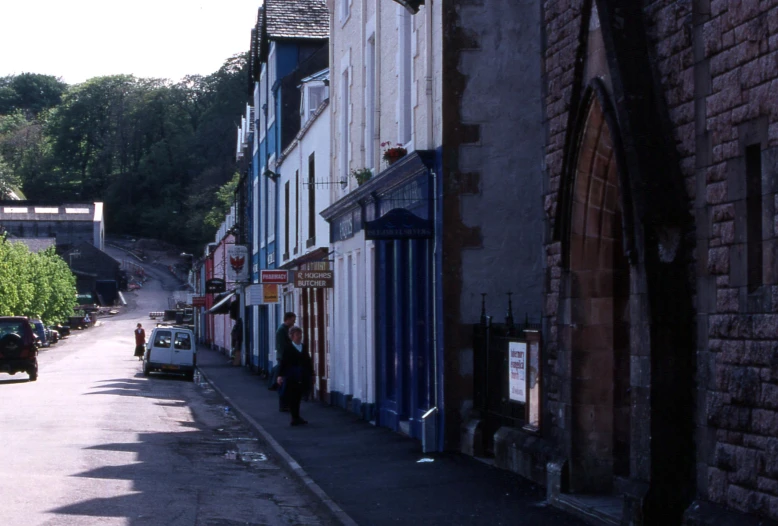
pixel 155 152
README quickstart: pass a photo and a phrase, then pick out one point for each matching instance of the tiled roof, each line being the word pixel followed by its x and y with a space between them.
pixel 297 19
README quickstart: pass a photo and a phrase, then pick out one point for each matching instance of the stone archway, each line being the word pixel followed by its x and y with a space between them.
pixel 599 328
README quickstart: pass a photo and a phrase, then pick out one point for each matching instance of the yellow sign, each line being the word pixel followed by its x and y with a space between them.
pixel 270 293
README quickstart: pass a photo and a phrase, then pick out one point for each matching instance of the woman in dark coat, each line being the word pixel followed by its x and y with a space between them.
pixel 140 341
pixel 295 374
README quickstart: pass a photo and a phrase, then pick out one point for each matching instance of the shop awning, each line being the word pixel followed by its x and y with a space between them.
pixel 222 306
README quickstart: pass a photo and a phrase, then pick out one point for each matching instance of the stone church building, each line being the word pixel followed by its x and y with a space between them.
pixel 661 293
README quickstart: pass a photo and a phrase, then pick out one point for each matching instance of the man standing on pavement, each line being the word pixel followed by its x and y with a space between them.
pixel 282 341
pixel 295 373
pixel 140 341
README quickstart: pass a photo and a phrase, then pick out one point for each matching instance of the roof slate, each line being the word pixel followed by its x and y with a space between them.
pixel 297 19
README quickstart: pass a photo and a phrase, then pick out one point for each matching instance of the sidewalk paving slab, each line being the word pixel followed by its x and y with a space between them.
pixel 370 475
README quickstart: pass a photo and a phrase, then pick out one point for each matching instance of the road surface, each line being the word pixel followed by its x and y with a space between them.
pixel 95 442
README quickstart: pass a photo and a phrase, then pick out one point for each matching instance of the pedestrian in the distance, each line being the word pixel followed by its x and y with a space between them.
pixel 282 340
pixel 295 374
pixel 140 341
pixel 237 341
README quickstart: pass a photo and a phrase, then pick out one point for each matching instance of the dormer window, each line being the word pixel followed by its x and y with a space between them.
pixel 314 93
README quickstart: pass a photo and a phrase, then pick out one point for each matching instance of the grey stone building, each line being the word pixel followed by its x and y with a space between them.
pixel 68 224
pixel 661 350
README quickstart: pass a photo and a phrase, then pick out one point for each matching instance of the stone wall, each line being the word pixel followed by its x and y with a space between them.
pixel 736 93
pixel 716 69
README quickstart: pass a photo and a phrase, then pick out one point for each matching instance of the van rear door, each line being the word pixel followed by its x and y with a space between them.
pixel 183 349
pixel 161 347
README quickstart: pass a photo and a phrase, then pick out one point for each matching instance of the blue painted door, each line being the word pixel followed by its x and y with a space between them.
pixel 404 332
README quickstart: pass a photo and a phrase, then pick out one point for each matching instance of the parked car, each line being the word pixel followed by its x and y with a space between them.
pixel 171 349
pixel 40 331
pixel 18 351
pixel 63 330
pixel 52 334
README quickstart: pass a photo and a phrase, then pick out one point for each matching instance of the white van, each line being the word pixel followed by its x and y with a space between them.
pixel 171 349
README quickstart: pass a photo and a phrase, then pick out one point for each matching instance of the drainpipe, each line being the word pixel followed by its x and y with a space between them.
pixel 377 87
pixel 428 79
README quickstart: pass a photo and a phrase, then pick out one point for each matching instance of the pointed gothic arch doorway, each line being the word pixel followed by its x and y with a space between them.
pixel 599 316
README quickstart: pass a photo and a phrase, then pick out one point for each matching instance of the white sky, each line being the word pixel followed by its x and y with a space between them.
pixel 80 39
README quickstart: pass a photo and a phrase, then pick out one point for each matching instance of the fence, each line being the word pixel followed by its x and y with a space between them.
pixel 507 375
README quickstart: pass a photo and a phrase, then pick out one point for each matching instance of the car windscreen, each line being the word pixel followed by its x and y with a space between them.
pixel 183 341
pixel 11 327
pixel 162 338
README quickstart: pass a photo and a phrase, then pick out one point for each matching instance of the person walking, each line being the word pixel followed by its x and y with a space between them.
pixel 237 342
pixel 295 374
pixel 140 341
pixel 282 340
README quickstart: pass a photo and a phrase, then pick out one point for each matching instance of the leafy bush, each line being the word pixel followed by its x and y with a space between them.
pixel 36 285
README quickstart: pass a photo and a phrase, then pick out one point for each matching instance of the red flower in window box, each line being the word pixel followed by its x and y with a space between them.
pixel 393 153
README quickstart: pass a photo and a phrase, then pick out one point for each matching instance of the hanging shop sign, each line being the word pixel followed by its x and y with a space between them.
pixel 198 301
pixel 215 286
pixel 238 268
pixel 274 276
pixel 262 294
pixel 399 223
pixel 270 293
pixel 307 279
pixel 517 371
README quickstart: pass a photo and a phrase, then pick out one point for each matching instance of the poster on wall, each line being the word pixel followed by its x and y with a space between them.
pixel 517 371
pixel 238 265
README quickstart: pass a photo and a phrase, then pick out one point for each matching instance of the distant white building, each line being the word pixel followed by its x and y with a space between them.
pixel 68 224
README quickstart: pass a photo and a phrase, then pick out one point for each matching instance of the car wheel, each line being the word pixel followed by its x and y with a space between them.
pixel 33 374
pixel 190 376
pixel 146 369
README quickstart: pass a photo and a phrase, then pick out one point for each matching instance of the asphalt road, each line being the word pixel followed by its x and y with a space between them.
pixel 95 442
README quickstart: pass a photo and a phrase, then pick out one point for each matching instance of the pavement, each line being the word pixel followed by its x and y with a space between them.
pixel 370 475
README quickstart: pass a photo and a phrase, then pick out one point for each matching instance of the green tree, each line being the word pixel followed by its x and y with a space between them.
pixel 30 93
pixel 225 198
pixel 36 285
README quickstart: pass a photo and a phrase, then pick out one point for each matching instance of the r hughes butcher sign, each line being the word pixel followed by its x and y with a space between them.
pixel 318 279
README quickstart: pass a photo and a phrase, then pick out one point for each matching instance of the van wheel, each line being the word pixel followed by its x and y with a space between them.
pixel 146 369
pixel 33 375
pixel 190 376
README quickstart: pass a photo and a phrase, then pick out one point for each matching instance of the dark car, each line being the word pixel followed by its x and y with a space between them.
pixel 18 350
pixel 40 331
pixel 63 330
pixel 52 334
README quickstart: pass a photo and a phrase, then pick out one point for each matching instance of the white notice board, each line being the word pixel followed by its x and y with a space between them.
pixel 517 371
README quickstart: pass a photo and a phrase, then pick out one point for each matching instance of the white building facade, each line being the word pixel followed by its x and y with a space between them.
pixel 303 234
pixel 384 95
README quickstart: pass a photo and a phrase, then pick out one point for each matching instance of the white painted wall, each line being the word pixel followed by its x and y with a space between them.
pixel 352 351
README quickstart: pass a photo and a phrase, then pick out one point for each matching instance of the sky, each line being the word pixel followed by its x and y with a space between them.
pixel 76 40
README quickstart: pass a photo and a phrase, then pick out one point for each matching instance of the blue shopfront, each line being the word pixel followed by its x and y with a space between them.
pixel 396 211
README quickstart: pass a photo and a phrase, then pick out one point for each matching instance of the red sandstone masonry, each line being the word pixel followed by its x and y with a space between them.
pixel 740 40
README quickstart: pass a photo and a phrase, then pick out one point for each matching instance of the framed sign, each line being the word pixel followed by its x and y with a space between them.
pixel 262 294
pixel 270 293
pixel 307 279
pixel 238 269
pixel 198 301
pixel 215 286
pixel 517 371
pixel 274 276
